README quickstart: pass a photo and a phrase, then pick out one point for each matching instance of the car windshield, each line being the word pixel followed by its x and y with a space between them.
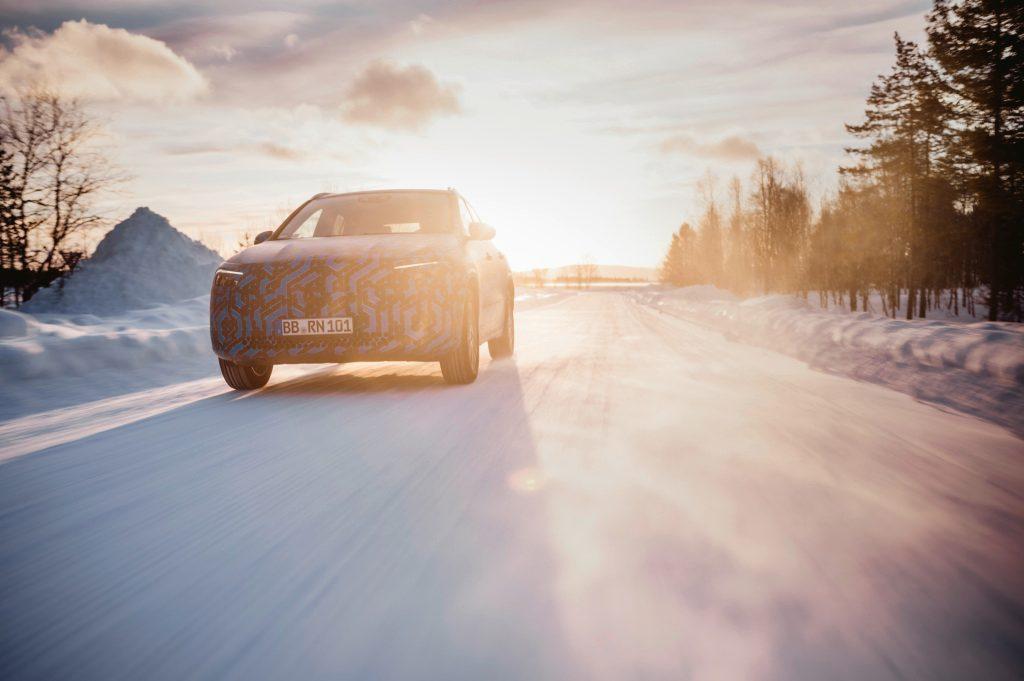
pixel 372 213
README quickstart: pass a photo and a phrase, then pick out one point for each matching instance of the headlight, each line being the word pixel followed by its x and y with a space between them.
pixel 226 277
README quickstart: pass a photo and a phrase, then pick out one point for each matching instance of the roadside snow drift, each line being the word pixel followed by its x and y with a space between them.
pixel 975 367
pixel 46 346
pixel 142 262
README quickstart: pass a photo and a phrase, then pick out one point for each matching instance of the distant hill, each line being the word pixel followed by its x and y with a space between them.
pixel 603 272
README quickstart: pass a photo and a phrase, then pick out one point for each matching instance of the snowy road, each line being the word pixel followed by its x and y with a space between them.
pixel 632 497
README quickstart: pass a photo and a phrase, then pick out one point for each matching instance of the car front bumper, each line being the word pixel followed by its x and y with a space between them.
pixel 398 312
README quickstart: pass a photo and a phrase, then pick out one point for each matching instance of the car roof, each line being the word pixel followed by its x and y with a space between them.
pixel 387 191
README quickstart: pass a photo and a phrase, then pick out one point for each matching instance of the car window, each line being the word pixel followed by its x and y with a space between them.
pixel 465 214
pixel 373 213
pixel 308 225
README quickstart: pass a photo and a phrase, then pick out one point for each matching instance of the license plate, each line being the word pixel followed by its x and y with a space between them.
pixel 316 327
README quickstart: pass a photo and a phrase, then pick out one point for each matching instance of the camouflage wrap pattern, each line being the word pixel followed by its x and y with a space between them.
pixel 407 313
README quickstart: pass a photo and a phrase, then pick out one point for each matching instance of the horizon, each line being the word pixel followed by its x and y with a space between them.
pixel 229 116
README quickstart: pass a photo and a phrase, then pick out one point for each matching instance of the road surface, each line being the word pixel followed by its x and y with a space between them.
pixel 633 496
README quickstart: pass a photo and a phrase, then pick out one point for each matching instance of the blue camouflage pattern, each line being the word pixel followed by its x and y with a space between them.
pixel 407 313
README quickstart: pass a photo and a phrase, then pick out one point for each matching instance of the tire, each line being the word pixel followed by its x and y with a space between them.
pixel 505 344
pixel 461 365
pixel 242 377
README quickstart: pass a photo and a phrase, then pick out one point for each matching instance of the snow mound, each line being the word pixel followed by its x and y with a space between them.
pixel 140 263
pixel 974 367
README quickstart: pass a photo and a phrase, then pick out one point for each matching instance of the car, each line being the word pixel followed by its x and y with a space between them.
pixel 407 274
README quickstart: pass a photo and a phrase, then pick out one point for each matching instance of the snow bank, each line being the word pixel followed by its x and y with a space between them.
pixel 55 345
pixel 141 262
pixel 974 367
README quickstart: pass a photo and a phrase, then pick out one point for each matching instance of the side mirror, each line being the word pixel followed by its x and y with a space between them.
pixel 481 231
pixel 261 237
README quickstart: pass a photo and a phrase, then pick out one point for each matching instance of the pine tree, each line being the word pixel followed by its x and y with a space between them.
pixel 671 271
pixel 980 45
pixel 680 265
pixel 8 224
pixel 905 126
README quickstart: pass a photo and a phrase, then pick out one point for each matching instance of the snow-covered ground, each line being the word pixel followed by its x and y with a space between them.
pixel 974 367
pixel 59 345
pixel 640 493
pixel 51 345
pixel 134 313
pixel 633 495
pixel 528 297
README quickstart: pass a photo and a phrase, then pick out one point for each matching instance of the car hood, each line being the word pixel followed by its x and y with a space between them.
pixel 371 246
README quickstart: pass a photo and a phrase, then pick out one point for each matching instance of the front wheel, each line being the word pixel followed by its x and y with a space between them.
pixel 462 364
pixel 505 344
pixel 245 377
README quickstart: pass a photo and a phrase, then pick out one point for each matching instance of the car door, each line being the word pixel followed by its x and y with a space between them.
pixel 490 267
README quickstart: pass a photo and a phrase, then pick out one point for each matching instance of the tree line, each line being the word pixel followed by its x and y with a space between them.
pixel 52 170
pixel 930 207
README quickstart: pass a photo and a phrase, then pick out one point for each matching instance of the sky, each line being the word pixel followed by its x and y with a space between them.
pixel 578 129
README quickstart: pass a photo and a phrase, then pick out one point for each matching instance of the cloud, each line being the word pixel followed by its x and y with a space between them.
pixel 96 62
pixel 392 96
pixel 224 51
pixel 200 38
pixel 731 148
pixel 420 23
pixel 273 150
pixel 279 151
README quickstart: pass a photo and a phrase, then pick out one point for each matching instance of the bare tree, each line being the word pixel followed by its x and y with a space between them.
pixel 24 137
pixel 58 174
pixel 738 269
pixel 246 239
pixel 710 239
pixel 586 271
pixel 781 220
pixel 539 276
